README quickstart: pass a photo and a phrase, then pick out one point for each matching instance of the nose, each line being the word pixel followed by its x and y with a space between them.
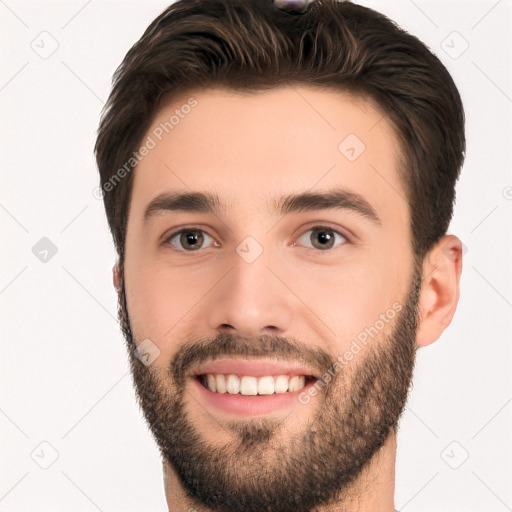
pixel 253 299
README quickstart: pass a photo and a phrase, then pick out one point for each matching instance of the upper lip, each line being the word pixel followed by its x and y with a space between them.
pixel 254 367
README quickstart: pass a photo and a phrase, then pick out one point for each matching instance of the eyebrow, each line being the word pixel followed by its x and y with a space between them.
pixel 206 202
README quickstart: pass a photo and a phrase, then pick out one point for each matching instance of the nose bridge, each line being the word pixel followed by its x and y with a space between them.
pixel 251 274
pixel 251 299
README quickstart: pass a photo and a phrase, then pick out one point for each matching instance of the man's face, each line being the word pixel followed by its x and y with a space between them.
pixel 264 294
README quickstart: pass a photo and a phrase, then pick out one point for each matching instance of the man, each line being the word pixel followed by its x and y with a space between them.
pixel 279 180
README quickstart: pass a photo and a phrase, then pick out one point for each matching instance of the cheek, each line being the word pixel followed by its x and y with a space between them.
pixel 165 301
pixel 347 300
pixel 157 303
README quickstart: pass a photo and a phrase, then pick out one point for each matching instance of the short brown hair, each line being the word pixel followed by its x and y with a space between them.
pixel 250 45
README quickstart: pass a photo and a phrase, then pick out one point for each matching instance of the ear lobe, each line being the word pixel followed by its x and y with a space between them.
pixel 115 276
pixel 440 289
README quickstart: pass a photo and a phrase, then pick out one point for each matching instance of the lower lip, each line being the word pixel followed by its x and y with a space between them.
pixel 252 405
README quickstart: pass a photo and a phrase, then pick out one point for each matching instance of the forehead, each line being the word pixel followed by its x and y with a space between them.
pixel 253 147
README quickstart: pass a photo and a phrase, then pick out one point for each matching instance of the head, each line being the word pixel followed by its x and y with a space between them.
pixel 279 189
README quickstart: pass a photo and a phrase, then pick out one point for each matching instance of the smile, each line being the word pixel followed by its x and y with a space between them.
pixel 249 385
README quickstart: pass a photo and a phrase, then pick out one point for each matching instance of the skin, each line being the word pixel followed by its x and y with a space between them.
pixel 246 149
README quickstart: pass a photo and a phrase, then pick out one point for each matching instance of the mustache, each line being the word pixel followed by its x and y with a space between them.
pixel 194 353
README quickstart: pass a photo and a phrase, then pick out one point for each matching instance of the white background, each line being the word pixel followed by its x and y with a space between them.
pixel 64 371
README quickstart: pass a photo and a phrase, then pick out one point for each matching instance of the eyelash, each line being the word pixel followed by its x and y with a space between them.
pixel 168 239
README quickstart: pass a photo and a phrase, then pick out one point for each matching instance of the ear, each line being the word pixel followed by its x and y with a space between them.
pixel 115 276
pixel 440 289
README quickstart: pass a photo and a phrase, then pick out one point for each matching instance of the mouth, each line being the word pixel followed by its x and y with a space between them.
pixel 250 387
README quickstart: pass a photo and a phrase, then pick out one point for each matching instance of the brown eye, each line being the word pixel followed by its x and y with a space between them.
pixel 322 238
pixel 189 240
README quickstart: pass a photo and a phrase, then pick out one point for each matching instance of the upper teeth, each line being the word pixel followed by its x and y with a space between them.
pixel 249 385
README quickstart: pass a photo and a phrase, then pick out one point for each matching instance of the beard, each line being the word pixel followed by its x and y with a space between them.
pixel 265 465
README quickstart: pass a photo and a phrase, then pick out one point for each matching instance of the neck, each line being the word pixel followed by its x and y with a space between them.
pixel 373 491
